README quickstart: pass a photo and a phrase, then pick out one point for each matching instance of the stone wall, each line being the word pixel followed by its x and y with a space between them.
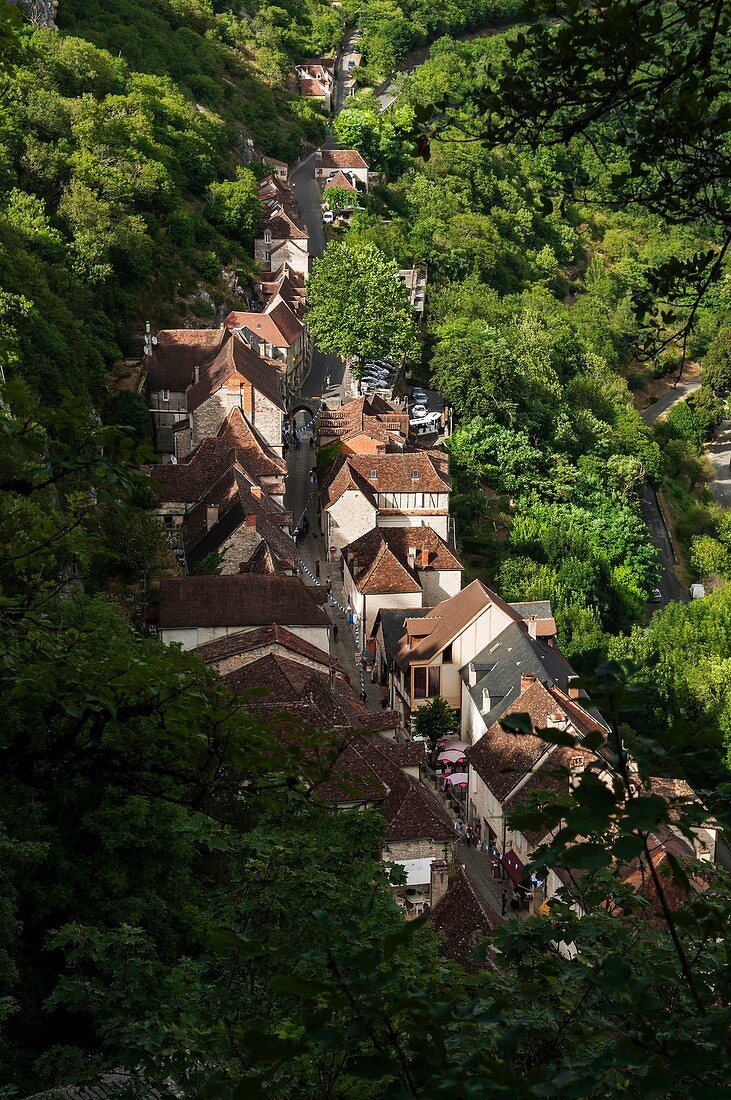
pixel 413 849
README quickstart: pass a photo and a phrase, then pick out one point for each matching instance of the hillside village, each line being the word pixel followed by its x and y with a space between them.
pixel 319 561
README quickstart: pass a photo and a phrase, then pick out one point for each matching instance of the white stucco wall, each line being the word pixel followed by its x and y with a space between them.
pixel 439 584
pixel 348 518
pixel 403 519
pixel 190 637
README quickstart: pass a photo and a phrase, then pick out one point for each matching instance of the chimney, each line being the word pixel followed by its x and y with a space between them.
pixel 472 674
pixel 526 679
pixel 251 520
pixel 148 339
pixel 211 516
pixel 411 557
pixel 439 881
pixel 485 700
pixel 196 375
pixel 256 491
pixel 424 558
pixel 532 627
pixel 557 721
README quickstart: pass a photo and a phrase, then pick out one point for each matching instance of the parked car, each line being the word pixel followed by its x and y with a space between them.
pixel 419 395
pixel 656 596
pixel 328 217
pixel 419 411
pixel 351 65
pixel 427 425
pixel 697 592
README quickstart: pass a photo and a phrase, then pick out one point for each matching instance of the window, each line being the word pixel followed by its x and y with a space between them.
pixel 447 654
pixel 374 475
pixel 419 675
pixel 166 395
pixel 267 257
pixel 434 680
pixel 414 475
pixel 267 237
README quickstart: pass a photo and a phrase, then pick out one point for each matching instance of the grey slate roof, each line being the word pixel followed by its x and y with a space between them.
pixel 499 667
pixel 394 629
pixel 541 609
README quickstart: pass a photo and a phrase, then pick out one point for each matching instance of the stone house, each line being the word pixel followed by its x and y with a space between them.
pixel 276 333
pixel 173 356
pixel 407 489
pixel 464 918
pixel 196 610
pixel 329 162
pixel 234 376
pixel 316 80
pixel 179 487
pixel 398 567
pixel 236 519
pixel 505 768
pixel 283 238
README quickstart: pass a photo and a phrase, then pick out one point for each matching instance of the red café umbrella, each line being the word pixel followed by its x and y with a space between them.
pixel 457 779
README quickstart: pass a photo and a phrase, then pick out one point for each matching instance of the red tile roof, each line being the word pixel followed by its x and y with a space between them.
pixel 248 643
pixel 176 353
pixel 340 158
pixel 237 601
pixel 339 180
pixel 277 325
pixel 235 363
pixel 394 474
pixel 236 441
pixel 371 416
pixel 379 560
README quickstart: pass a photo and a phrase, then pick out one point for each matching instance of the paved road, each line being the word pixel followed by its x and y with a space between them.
pixel 719 455
pixel 678 393
pixel 669 585
pixel 346 84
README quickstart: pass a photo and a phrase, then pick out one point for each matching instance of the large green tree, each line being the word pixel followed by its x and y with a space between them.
pixel 358 307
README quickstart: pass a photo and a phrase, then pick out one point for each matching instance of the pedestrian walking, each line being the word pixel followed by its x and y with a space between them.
pixel 317 567
pixel 503 902
pixel 312 442
pixel 296 536
pixel 335 636
pixel 363 696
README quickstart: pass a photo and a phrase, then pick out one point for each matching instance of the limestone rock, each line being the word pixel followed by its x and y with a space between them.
pixel 41 13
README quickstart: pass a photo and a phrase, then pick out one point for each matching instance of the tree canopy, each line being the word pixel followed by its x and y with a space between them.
pixel 358 307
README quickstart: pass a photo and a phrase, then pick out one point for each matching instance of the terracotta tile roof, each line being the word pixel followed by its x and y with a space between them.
pixel 176 353
pixel 381 558
pixel 413 812
pixel 264 560
pixel 284 227
pixel 550 777
pixel 313 87
pixel 236 442
pixel 237 601
pixel 394 474
pixel 446 621
pixel 249 642
pixel 371 416
pixel 340 158
pixel 464 918
pixel 235 363
pixel 339 180
pixel 277 325
pixel 287 285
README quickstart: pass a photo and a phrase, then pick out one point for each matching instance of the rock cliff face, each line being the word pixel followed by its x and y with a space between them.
pixel 41 13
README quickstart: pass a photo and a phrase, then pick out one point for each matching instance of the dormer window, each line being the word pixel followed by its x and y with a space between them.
pixel 414 475
pixel 267 236
pixel 374 475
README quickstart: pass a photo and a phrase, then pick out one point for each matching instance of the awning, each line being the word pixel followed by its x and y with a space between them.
pixel 514 867
pixel 457 779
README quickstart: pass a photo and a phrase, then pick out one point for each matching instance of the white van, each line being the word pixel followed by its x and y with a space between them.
pixel 328 217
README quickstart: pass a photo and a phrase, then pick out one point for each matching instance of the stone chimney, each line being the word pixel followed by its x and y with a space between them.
pixel 439 881
pixel 573 691
pixel 532 627
pixel 411 557
pixel 211 516
pixel 256 491
pixel 196 375
pixel 472 674
pixel 526 679
pixel 424 562
pixel 251 520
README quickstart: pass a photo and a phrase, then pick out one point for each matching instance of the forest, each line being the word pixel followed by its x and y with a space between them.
pixel 174 902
